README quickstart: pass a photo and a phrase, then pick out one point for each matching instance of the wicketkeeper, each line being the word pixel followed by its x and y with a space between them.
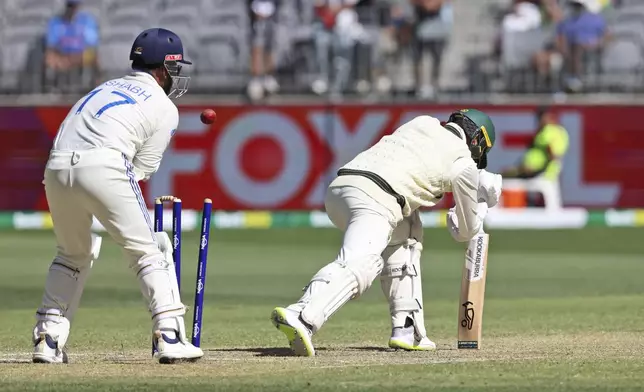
pixel 111 139
pixel 375 201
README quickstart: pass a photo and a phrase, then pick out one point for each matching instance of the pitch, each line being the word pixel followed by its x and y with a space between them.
pixel 563 312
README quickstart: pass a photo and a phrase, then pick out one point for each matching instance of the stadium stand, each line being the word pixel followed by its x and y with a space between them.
pixel 216 35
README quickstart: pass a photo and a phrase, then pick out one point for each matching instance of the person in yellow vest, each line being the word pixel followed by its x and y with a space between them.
pixel 546 151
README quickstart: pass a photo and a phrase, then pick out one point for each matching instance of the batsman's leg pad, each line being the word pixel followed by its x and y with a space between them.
pixel 333 286
pixel 401 283
pixel 158 284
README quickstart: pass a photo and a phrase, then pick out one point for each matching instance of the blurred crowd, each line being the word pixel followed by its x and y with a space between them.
pixel 344 29
pixel 555 40
pixel 336 47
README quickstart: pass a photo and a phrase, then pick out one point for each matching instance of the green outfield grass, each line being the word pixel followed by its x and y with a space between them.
pixel 563 312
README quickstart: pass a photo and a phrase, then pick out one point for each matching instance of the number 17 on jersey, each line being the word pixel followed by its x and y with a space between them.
pixel 116 98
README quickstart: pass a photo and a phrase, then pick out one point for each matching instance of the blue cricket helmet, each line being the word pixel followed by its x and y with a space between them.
pixel 155 46
pixel 159 46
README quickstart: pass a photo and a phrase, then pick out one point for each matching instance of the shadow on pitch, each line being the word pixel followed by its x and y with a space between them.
pixel 371 348
pixel 260 351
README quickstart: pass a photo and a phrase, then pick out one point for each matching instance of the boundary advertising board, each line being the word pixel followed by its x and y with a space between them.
pixel 282 157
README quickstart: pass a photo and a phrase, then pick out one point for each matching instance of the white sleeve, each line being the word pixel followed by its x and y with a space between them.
pixel 465 182
pixel 148 158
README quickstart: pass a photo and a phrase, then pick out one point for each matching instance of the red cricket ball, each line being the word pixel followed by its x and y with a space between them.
pixel 208 116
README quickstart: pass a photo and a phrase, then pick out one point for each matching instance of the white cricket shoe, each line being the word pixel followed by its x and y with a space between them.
pixel 49 340
pixel 255 89
pixel 405 338
pixel 299 335
pixel 271 85
pixel 320 86
pixel 170 343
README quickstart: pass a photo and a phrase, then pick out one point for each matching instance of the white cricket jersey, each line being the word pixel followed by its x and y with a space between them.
pixel 132 115
pixel 421 161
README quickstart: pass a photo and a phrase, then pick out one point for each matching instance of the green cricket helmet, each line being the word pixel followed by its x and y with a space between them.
pixel 479 133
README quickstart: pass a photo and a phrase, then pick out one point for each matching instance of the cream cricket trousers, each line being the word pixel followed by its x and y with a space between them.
pixel 98 183
pixel 368 226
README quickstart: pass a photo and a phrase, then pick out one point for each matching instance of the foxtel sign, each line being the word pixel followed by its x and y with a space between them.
pixel 284 157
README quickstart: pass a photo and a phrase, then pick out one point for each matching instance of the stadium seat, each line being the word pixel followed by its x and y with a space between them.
pixel 114 51
pixel 21 34
pixel 14 56
pixel 168 5
pixel 45 8
pixel 134 13
pixel 549 189
pixel 183 14
pixel 222 65
pixel 94 7
pixel 624 53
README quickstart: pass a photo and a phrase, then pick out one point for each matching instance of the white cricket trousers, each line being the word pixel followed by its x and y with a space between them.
pixel 98 183
pixel 101 183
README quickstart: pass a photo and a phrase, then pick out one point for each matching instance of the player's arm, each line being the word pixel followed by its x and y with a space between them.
pixel 465 219
pixel 148 159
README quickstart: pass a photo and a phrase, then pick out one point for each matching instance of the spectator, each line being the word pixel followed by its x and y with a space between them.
pixel 71 40
pixel 395 41
pixel 336 29
pixel 432 29
pixel 548 58
pixel 523 16
pixel 580 38
pixel 263 16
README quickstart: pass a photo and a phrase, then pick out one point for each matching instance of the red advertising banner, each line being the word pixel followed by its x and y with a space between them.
pixel 282 157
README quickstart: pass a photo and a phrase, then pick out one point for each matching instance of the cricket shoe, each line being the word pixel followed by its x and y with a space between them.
pixel 49 339
pixel 405 338
pixel 298 334
pixel 170 344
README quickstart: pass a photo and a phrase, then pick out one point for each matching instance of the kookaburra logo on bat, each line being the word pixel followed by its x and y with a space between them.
pixel 468 321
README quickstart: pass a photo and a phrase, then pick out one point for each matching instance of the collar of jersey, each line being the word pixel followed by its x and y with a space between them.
pixel 145 77
pixel 458 128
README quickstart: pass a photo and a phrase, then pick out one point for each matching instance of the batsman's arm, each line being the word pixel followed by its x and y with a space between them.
pixel 148 159
pixel 465 220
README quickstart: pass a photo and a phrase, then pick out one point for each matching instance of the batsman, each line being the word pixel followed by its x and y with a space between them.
pixel 375 200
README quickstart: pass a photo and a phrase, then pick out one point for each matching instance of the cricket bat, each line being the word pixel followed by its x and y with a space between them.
pixel 470 311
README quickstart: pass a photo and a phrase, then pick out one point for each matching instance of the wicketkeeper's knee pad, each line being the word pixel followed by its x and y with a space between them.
pixel 65 283
pixel 401 283
pixel 334 285
pixel 158 283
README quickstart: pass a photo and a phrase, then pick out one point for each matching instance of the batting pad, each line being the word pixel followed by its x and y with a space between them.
pixel 336 284
pixel 401 283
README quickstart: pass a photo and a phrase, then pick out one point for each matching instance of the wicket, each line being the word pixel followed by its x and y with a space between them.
pixel 201 272
pixel 176 253
pixel 176 229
